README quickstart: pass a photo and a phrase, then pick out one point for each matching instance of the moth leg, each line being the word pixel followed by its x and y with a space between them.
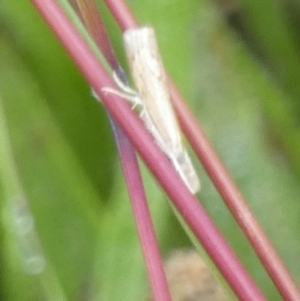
pixel 124 87
pixel 129 94
pixel 133 99
pixel 125 92
pixel 143 114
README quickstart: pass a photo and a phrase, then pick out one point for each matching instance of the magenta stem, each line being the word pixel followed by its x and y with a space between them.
pixel 143 219
pixel 186 203
pixel 221 178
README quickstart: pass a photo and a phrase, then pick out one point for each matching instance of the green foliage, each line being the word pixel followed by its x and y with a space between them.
pixel 58 154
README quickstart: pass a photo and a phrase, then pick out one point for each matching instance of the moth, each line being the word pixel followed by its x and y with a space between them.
pixel 153 96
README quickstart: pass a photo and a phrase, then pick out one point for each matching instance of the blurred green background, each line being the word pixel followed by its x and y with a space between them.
pixel 238 65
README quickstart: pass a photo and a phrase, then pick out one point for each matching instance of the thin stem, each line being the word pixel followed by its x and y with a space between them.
pixel 186 203
pixel 95 26
pixel 236 203
pixel 221 178
pixel 143 219
pixel 122 14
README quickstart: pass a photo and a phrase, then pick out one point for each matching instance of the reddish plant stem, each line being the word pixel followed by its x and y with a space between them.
pixel 95 26
pixel 186 203
pixel 221 178
pixel 122 14
pixel 143 219
pixel 90 15
pixel 237 204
